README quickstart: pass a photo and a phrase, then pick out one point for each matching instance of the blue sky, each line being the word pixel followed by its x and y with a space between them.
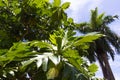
pixel 80 12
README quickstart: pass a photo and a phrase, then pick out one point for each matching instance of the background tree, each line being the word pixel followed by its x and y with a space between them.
pixel 30 19
pixel 102 48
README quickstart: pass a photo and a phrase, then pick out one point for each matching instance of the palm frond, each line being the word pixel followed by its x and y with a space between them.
pixel 109 19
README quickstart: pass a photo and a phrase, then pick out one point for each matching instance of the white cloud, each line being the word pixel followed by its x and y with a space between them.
pixel 78 7
pixel 116 26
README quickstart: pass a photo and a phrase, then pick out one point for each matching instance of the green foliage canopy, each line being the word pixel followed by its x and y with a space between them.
pixel 37 41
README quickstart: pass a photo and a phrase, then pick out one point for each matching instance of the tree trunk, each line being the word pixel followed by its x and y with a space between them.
pixel 108 68
pixel 102 65
pixel 105 66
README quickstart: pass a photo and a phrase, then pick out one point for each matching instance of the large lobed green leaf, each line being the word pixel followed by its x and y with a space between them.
pixel 65 5
pixel 74 59
pixel 90 37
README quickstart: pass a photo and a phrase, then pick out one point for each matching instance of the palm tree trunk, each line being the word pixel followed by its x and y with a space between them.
pixel 102 65
pixel 108 68
pixel 103 61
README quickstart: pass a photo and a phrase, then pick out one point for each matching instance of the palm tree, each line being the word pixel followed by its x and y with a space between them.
pixel 102 48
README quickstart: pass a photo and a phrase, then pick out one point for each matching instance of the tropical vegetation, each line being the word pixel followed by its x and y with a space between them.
pixel 38 42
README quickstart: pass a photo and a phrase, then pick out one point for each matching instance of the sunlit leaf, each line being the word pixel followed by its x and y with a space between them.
pixel 88 38
pixel 57 3
pixel 71 54
pixel 45 63
pixel 4 2
pixel 70 20
pixel 55 59
pixel 1 3
pixel 38 3
pixel 25 64
pixel 52 39
pixel 93 68
pixel 65 5
pixel 39 62
pixel 40 44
